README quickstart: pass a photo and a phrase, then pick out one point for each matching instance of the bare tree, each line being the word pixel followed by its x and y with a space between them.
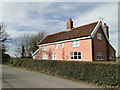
pixel 18 44
pixel 4 38
pixel 29 42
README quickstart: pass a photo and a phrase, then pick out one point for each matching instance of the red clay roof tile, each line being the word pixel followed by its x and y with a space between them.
pixel 77 32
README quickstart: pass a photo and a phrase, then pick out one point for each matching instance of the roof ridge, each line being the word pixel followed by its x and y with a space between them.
pixel 73 28
pixel 62 35
pixel 86 24
pixel 56 33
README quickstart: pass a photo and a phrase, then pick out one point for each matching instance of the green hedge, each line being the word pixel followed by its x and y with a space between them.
pixel 105 74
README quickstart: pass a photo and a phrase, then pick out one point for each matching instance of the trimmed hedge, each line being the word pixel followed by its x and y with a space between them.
pixel 105 74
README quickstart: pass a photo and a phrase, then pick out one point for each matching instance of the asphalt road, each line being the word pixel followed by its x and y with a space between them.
pixel 18 78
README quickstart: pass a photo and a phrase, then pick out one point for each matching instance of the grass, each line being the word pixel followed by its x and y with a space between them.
pixel 118 59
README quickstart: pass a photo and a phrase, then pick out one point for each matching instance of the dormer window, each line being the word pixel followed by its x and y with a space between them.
pixel 45 47
pixel 55 46
pixel 99 36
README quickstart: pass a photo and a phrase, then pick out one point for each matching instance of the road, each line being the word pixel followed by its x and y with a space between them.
pixel 18 78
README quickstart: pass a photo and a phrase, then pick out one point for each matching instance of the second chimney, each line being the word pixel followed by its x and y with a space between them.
pixel 69 24
pixel 106 29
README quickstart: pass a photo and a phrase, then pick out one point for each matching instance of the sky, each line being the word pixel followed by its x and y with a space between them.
pixel 32 17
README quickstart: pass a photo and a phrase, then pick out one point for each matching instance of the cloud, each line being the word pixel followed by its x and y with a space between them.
pixel 109 12
pixel 33 17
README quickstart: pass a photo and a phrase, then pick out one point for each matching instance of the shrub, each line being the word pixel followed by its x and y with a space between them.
pixel 94 72
pixel 5 58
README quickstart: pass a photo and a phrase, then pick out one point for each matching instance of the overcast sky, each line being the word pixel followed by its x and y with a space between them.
pixel 33 17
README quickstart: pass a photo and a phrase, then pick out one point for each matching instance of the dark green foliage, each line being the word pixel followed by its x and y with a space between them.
pixel 105 74
pixel 5 58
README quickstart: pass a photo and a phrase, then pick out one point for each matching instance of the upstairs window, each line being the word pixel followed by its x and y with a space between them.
pixel 75 55
pixel 55 46
pixel 99 36
pixel 62 45
pixel 53 56
pixel 45 47
pixel 75 43
pixel 99 55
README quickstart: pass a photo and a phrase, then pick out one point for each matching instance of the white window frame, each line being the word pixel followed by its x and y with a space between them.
pixel 99 36
pixel 53 56
pixel 75 43
pixel 62 45
pixel 45 47
pixel 44 56
pixel 100 56
pixel 72 55
pixel 56 46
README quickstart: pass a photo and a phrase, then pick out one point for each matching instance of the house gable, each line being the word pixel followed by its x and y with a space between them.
pixel 96 29
pixel 100 45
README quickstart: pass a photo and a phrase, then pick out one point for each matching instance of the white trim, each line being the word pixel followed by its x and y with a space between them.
pixel 96 28
pixel 54 54
pixel 45 47
pixel 42 39
pixel 45 56
pixel 56 46
pixel 66 41
pixel 92 35
pixel 35 52
pixel 76 43
pixel 105 33
pixel 62 45
pixel 77 52
pixel 100 54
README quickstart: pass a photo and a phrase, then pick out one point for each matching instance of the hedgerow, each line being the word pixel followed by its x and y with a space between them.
pixel 105 74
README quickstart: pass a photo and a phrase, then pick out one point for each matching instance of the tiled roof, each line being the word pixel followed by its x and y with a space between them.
pixel 77 32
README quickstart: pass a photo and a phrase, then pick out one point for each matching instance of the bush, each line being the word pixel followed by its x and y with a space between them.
pixel 5 58
pixel 93 72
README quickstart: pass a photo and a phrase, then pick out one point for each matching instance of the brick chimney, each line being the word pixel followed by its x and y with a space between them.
pixel 106 29
pixel 69 24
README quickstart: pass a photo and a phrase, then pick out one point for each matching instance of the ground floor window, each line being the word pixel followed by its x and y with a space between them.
pixel 54 56
pixel 36 56
pixel 99 55
pixel 44 56
pixel 75 55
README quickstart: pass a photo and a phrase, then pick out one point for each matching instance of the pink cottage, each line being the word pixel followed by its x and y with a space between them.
pixel 88 42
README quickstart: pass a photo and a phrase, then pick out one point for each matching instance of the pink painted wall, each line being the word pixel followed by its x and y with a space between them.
pixel 85 47
pixel 34 57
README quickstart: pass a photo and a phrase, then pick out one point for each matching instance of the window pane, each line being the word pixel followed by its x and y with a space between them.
pixel 71 53
pixel 99 36
pixel 77 43
pixel 79 57
pixel 79 53
pixel 71 57
pixel 75 53
pixel 73 43
pixel 75 57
